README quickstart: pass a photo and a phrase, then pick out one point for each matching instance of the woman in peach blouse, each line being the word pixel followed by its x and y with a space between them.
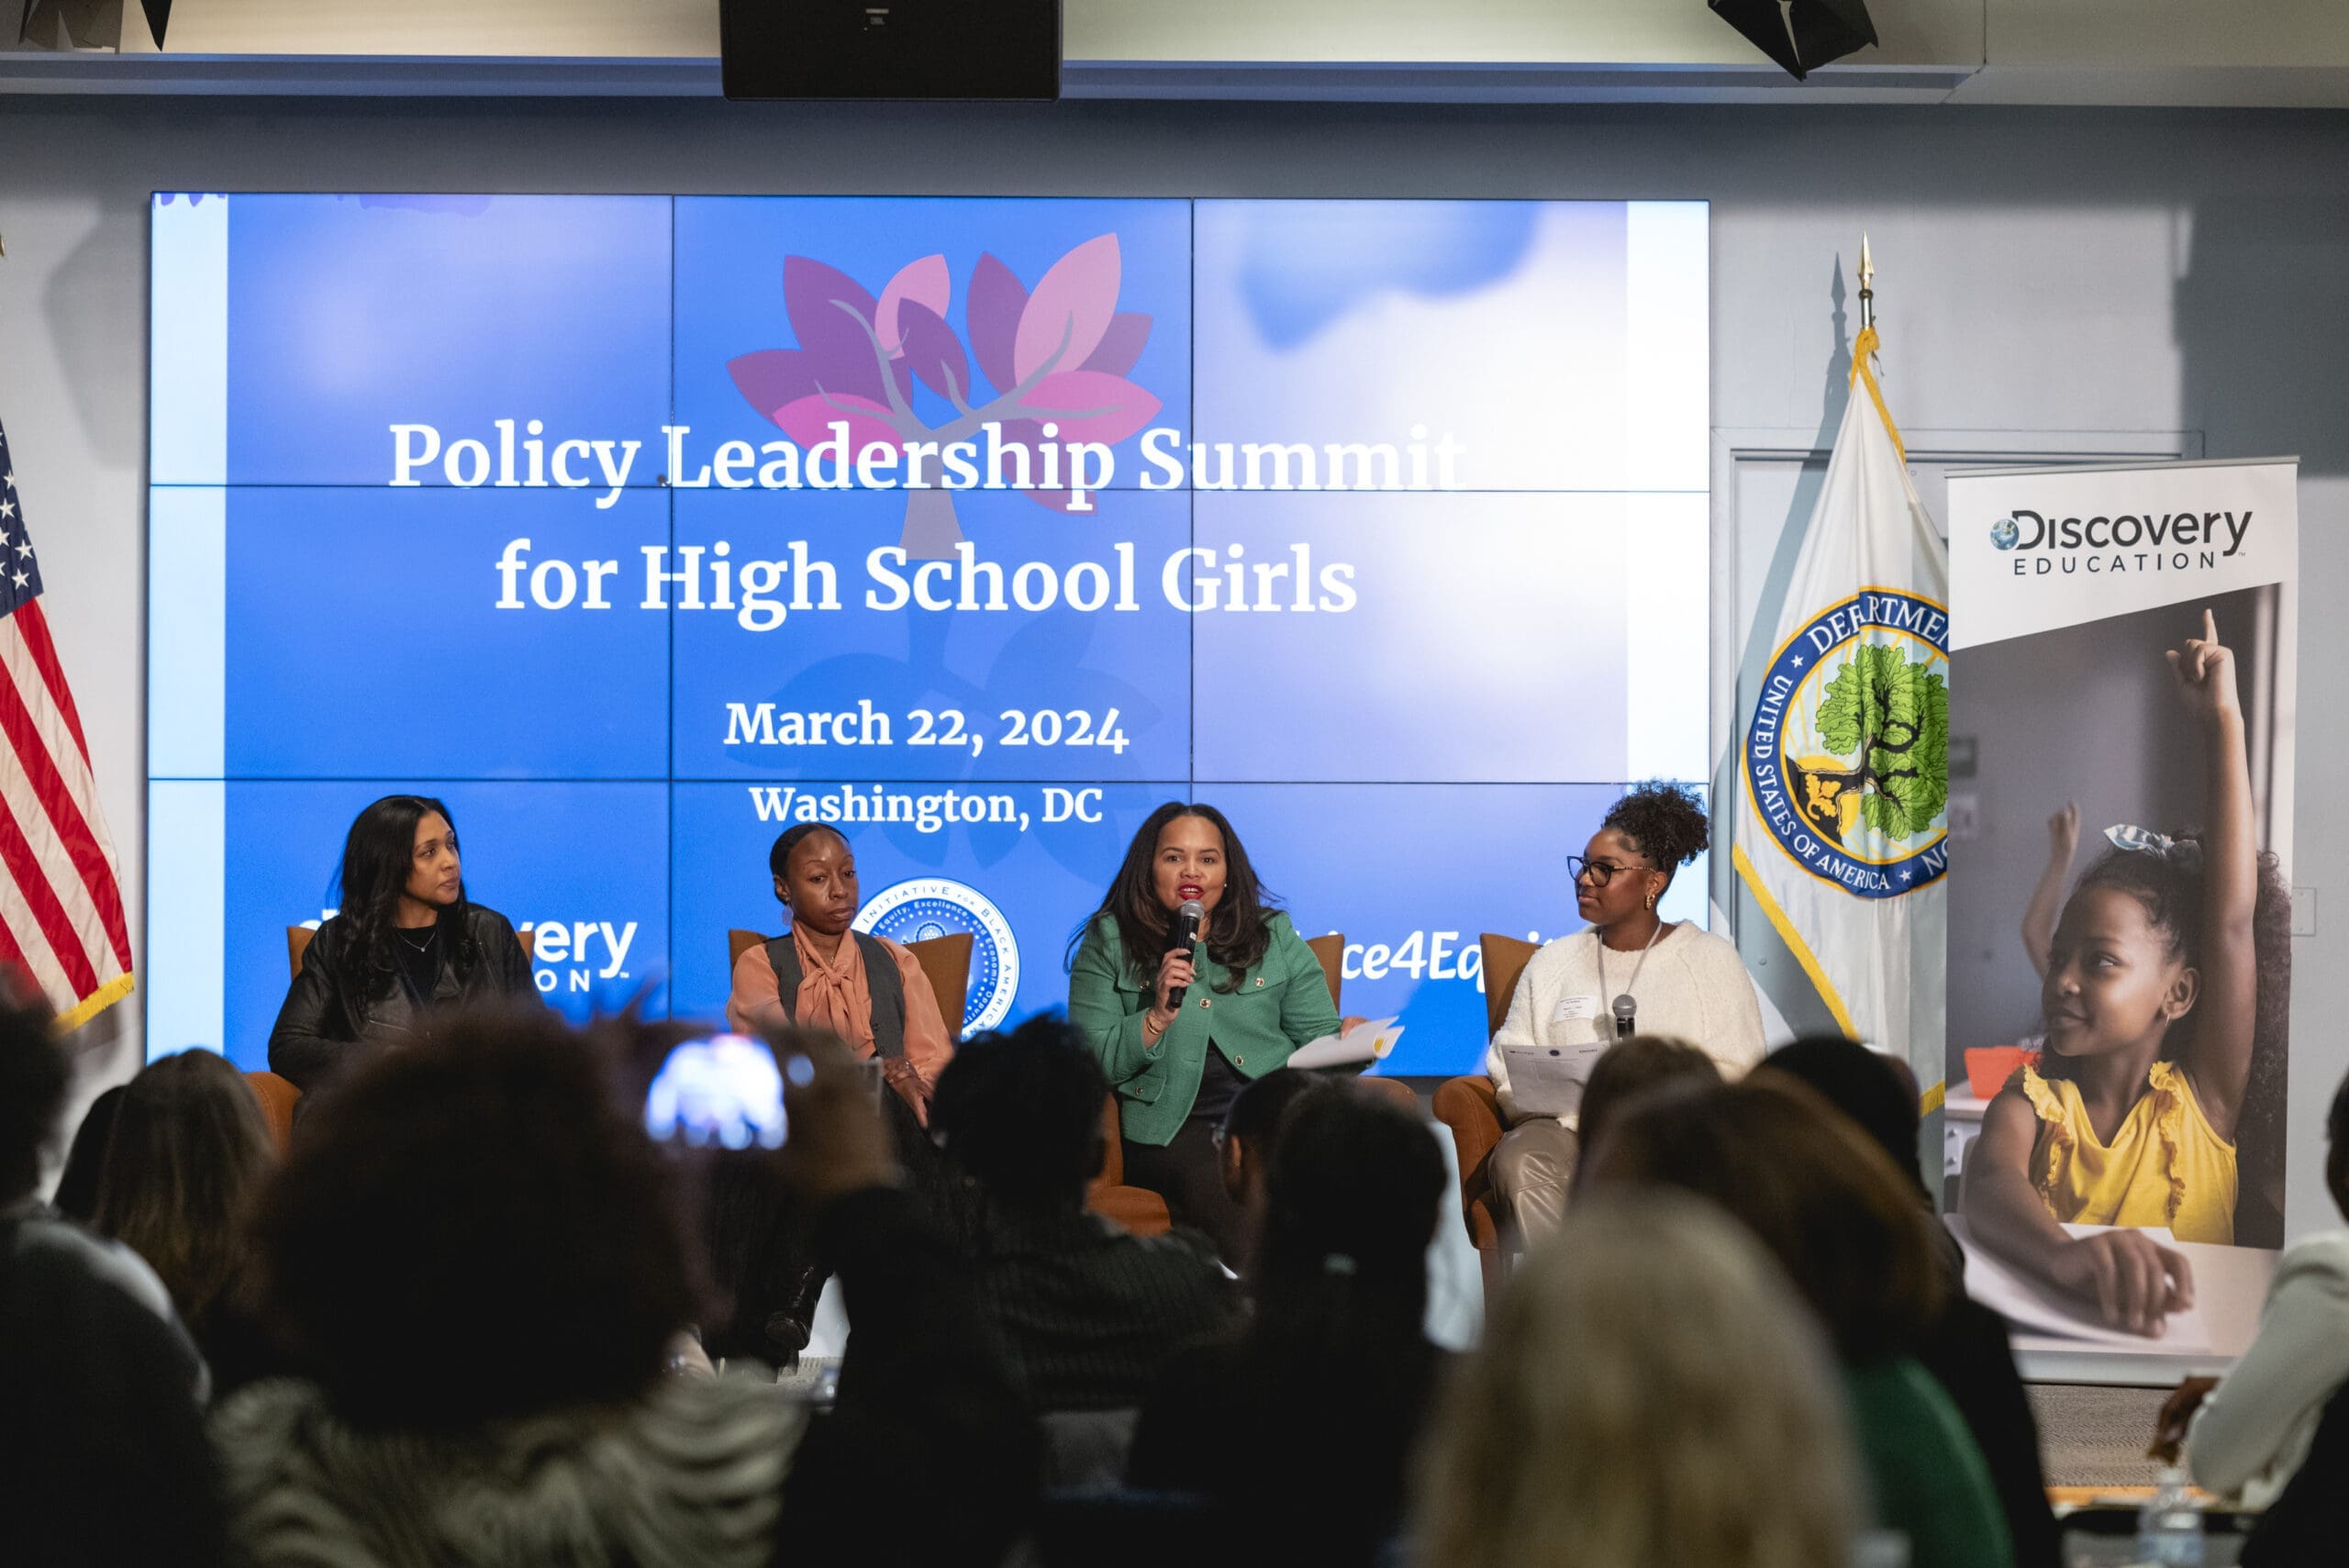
pixel 868 990
pixel 872 993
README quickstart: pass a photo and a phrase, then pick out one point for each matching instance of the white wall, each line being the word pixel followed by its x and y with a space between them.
pixel 2040 270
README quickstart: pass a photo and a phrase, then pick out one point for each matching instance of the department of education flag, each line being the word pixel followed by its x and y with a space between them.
pixel 1841 828
pixel 61 892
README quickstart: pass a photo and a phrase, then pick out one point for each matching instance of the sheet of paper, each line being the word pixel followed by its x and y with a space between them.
pixel 1547 1080
pixel 2031 1307
pixel 1368 1041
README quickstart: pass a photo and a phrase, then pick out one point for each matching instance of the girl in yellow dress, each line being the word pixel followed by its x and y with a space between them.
pixel 2153 997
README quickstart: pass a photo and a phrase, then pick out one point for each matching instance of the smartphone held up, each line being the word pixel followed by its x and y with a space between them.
pixel 721 1091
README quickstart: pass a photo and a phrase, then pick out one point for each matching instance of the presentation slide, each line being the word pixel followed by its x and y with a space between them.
pixel 640 529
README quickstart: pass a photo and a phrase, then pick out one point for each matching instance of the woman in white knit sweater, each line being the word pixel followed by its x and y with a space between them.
pixel 1683 982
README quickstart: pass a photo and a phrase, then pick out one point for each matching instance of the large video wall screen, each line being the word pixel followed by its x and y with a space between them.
pixel 639 528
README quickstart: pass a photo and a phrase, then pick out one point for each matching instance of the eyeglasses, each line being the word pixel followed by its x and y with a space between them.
pixel 1598 872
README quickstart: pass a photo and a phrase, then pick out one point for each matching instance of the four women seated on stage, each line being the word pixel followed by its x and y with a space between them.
pixel 1179 1030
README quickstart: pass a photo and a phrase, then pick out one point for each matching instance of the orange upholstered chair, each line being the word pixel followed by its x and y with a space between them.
pixel 946 963
pixel 1331 951
pixel 1469 1107
pixel 1139 1210
pixel 278 1095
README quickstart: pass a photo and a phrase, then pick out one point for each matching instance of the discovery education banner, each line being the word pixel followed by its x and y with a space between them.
pixel 2122 671
pixel 641 528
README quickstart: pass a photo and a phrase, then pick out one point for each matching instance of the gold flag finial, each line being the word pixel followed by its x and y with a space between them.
pixel 1867 284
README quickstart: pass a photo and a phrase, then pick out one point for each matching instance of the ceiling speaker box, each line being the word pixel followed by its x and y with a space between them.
pixel 891 49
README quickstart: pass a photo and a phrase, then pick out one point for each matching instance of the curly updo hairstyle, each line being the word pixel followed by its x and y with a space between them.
pixel 1666 821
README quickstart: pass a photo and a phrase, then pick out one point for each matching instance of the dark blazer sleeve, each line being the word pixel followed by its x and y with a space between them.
pixel 303 1046
pixel 931 1449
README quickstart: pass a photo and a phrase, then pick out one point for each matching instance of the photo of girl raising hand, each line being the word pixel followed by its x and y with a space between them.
pixel 2151 996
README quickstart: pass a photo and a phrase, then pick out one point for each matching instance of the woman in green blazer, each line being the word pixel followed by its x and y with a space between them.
pixel 1254 993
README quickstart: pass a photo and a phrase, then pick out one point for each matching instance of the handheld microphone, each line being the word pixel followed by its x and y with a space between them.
pixel 1186 935
pixel 1626 1012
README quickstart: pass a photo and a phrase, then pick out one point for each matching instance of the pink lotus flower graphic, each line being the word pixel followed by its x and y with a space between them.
pixel 1059 353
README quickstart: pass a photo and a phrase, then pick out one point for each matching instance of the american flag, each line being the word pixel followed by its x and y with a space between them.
pixel 61 893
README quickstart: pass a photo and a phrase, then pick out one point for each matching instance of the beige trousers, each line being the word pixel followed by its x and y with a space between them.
pixel 1533 1166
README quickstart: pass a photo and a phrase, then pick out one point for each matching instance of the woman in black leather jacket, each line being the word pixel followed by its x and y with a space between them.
pixel 406 941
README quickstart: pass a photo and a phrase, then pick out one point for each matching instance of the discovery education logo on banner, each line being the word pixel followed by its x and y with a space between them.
pixel 2122 673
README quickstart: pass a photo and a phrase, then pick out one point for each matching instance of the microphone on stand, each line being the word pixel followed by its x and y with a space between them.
pixel 1626 1013
pixel 1186 935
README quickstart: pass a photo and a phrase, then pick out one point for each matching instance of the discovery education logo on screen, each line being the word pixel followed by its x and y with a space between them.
pixel 1848 757
pixel 927 907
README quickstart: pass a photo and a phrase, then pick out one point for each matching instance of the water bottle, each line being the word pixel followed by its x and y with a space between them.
pixel 2169 1527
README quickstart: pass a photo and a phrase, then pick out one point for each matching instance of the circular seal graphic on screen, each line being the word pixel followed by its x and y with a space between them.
pixel 1847 757
pixel 931 906
pixel 2006 533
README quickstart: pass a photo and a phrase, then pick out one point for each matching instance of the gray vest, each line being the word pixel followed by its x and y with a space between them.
pixel 882 982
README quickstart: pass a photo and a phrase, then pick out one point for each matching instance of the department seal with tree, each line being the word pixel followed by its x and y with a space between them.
pixel 1847 757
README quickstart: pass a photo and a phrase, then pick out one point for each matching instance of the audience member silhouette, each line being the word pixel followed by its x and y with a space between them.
pixel 183 1174
pixel 1643 1065
pixel 77 1185
pixel 100 1389
pixel 1846 1227
pixel 474 1256
pixel 1649 1394
pixel 1244 1145
pixel 1334 1374
pixel 1087 1312
pixel 1965 1346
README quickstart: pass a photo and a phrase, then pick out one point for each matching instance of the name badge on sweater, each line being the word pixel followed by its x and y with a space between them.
pixel 1570 1009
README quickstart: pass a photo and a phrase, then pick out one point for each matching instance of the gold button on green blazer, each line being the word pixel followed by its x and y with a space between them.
pixel 1256 1017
